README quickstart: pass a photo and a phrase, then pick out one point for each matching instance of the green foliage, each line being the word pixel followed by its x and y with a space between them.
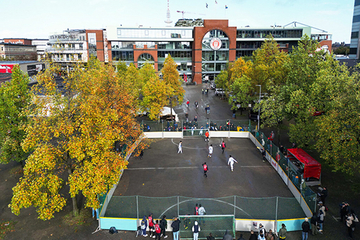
pixel 14 98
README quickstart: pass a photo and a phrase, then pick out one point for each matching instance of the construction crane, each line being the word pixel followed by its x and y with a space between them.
pixel 183 12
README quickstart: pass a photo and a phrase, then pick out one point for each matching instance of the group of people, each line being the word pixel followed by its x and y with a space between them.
pixel 348 215
pixel 262 234
pixel 157 229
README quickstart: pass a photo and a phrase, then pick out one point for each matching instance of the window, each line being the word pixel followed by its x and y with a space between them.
pixel 119 32
pixel 354 35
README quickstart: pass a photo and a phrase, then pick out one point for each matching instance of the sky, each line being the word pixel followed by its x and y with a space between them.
pixel 41 18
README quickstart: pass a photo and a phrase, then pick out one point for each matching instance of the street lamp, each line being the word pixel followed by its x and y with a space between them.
pixel 259 107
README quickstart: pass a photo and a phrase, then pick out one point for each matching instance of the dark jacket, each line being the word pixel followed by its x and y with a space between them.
pixel 175 225
pixel 305 226
pixel 163 223
pixel 253 237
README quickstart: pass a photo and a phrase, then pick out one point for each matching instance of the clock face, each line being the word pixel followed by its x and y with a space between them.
pixel 215 44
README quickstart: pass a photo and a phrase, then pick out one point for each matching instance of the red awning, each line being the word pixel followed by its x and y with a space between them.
pixel 312 168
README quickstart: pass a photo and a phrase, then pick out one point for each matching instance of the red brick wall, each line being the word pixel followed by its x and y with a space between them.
pixel 99 43
pixel 152 51
pixel 199 33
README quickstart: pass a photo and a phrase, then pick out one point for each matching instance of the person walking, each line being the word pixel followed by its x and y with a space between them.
pixel 163 226
pixel 211 149
pixel 187 103
pixel 180 147
pixel 261 235
pixel 282 232
pixel 175 226
pixel 144 226
pixel 157 230
pixel 223 146
pixel 305 229
pixel 231 162
pixel 205 167
pixel 263 153
pixel 196 229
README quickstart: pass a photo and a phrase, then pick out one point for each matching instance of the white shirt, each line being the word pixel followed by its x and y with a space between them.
pixel 201 210
pixel 211 149
pixel 231 161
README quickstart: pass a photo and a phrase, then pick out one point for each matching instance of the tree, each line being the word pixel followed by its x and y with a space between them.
pixel 239 83
pixel 14 98
pixel 171 78
pixel 338 131
pixel 73 133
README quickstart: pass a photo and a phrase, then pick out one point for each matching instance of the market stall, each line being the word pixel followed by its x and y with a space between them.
pixel 305 164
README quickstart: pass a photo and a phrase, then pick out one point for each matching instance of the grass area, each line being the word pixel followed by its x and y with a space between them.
pixel 6 227
pixel 83 218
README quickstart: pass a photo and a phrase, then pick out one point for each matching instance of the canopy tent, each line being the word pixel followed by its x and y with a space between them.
pixel 311 167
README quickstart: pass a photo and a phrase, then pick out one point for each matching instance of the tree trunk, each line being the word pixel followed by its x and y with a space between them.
pixel 74 201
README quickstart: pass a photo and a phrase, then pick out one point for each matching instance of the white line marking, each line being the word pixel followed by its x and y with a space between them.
pixel 193 167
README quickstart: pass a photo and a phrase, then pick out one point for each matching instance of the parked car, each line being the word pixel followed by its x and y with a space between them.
pixel 219 92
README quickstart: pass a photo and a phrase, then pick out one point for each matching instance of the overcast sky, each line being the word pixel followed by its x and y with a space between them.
pixel 40 18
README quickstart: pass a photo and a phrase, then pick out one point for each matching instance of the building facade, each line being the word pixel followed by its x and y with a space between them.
pixel 40 44
pixel 18 51
pixel 77 45
pixel 200 51
pixel 354 41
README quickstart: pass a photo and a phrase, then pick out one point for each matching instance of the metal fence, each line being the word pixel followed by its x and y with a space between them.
pixel 294 176
pixel 271 208
pixel 211 125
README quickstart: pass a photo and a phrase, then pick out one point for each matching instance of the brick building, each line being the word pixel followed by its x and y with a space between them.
pixel 200 50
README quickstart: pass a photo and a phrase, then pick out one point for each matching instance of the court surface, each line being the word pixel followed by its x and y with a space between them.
pixel 162 172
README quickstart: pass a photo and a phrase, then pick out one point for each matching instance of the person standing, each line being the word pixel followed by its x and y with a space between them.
pixel 210 237
pixel 282 232
pixel 202 212
pixel 207 136
pixel 211 149
pixel 205 167
pixel 223 146
pixel 157 230
pixel 196 209
pixel 323 195
pixel 252 235
pixel 180 147
pixel 196 230
pixel 305 229
pixel 321 220
pixel 175 226
pixel 261 235
pixel 231 162
pixel 313 222
pixel 187 116
pixel 350 224
pixel 263 153
pixel 151 226
pixel 144 226
pixel 163 226
pixel 241 237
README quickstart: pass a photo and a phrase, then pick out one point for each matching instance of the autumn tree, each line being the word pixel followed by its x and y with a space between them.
pixel 240 83
pixel 172 80
pixel 72 133
pixel 155 92
pixel 14 98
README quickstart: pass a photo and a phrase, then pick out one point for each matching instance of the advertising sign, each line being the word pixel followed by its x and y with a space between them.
pixel 215 44
pixel 6 68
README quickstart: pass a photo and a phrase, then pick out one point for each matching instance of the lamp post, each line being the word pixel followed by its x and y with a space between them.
pixel 259 107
